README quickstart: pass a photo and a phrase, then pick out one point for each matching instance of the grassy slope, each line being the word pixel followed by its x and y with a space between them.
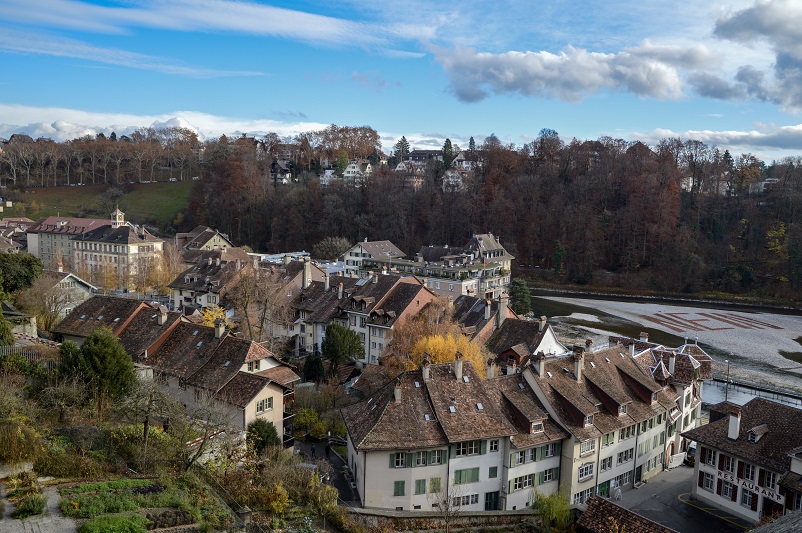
pixel 156 202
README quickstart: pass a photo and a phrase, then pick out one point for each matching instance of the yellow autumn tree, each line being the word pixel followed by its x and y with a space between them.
pixel 212 313
pixel 444 348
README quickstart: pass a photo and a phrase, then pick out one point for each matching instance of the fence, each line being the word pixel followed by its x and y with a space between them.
pixel 31 355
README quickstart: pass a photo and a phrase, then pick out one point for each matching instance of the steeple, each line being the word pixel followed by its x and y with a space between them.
pixel 117 218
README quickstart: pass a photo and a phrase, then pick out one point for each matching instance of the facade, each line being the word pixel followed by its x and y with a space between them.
pixel 67 291
pixel 206 282
pixel 51 239
pixel 441 436
pixel 355 256
pixel 749 461
pixel 357 170
pixel 202 238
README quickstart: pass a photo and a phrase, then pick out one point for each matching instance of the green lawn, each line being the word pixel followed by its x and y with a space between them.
pixel 155 203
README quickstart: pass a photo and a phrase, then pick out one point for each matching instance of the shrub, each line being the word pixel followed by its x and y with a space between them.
pixel 116 524
pixel 277 499
pixel 32 504
pixel 66 465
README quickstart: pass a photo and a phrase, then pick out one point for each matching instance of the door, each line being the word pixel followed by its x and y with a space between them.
pixel 638 474
pixel 604 489
pixel 491 501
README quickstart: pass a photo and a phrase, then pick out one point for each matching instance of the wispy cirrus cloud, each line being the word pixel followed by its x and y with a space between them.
pixel 40 43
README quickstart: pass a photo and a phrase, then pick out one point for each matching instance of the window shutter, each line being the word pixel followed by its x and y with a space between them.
pixel 410 460
pixel 761 478
pixel 701 479
pixel 740 469
pixel 754 501
pixel 702 454
pixel 475 475
pixel 735 493
pixel 512 459
pixel 718 487
pixel 482 447
pixel 452 451
pixel 509 487
pixel 541 477
pixel 428 458
pixel 392 460
pixel 721 461
pixel 557 474
pixel 789 501
pixel 558 448
pixel 538 453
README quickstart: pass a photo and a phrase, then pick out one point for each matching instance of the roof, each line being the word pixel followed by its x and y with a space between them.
pixel 522 335
pixel 283 375
pixel 143 330
pixel 241 389
pixel 603 516
pixel 67 225
pixel 381 249
pixel 121 235
pixel 204 277
pixel 780 436
pixel 98 311
pixel 54 277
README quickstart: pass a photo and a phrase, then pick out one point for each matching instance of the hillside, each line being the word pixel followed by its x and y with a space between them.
pixel 153 203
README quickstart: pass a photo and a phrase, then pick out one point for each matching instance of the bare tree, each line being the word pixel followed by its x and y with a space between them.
pixel 446 501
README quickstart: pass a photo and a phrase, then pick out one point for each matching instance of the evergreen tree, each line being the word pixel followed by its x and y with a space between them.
pixel 448 153
pixel 262 434
pixel 340 346
pixel 313 368
pixel 520 297
pixel 401 148
pixel 104 364
pixel 471 145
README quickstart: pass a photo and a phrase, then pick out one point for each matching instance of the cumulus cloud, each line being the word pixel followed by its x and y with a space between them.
pixel 778 23
pixel 645 70
pixel 764 138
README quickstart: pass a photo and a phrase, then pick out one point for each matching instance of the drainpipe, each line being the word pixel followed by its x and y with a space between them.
pixel 598 472
pixel 635 455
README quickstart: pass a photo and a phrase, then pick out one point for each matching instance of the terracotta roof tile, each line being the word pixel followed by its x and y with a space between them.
pixel 602 516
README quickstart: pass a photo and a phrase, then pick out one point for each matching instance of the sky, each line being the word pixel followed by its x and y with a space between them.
pixel 728 74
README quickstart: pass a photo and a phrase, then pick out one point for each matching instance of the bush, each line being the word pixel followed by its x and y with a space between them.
pixel 116 524
pixel 32 504
pixel 277 499
pixel 66 465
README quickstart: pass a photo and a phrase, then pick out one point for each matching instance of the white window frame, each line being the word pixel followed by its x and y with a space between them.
pixel 709 482
pixel 587 447
pixel 749 471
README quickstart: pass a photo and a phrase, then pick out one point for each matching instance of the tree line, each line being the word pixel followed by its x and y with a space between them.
pixel 677 216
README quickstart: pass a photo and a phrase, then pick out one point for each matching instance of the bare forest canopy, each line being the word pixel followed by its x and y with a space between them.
pixel 678 216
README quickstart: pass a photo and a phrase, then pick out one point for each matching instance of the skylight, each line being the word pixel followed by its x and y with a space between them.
pixel 153 316
pixel 452 409
pixel 100 317
pixel 117 319
pixel 480 406
pixel 465 379
pixel 227 363
pixel 607 359
pixel 548 373
pixel 521 386
pixel 417 384
pixel 82 317
pixel 199 344
pixel 426 417
pixel 370 400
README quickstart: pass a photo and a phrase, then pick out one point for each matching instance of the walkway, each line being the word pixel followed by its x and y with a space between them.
pixel 338 468
pixel 51 521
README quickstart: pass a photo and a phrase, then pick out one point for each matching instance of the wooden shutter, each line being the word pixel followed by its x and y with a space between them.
pixel 452 451
pixel 755 496
pixel 701 479
pixel 702 454
pixel 482 447
pixel 721 461
pixel 410 460
pixel 512 459
pixel 734 492
pixel 538 453
pixel 474 475
pixel 718 487
pixel 541 477
pixel 761 477
pixel 392 460
pixel 428 457
pixel 740 469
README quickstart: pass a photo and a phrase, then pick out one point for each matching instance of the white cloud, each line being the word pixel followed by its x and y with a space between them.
pixel 38 43
pixel 767 141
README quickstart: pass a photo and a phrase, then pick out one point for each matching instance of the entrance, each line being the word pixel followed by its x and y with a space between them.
pixel 604 489
pixel 638 474
pixel 491 501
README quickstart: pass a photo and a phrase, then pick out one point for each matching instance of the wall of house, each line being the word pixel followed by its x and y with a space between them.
pixel 486 484
pixel 274 415
pixel 522 498
pixel 571 461
pixel 379 486
pixel 727 504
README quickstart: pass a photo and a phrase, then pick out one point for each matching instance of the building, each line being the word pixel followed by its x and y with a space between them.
pixel 355 256
pixel 369 307
pixel 206 282
pixel 117 254
pixel 51 241
pixel 441 436
pixel 604 516
pixel 202 238
pixel 616 414
pixel 66 291
pixel 750 459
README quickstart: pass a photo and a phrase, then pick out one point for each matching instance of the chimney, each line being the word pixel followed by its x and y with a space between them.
pixel 397 391
pixel 735 424
pixel 644 337
pixel 503 300
pixel 589 345
pixel 216 261
pixel 375 277
pixel 632 348
pixel 287 259
pixel 542 323
pixel 307 273
pixel 424 368
pixel 219 328
pixel 340 291
pixel 512 366
pixel 210 260
pixel 487 309
pixel 326 282
pixel 672 360
pixel 162 317
pixel 579 362
pixel 458 366
pixel 540 364
pixel 491 368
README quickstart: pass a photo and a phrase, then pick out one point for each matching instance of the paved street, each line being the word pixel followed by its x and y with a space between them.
pixel 666 500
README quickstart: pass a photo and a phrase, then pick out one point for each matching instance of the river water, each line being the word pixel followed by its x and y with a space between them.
pixel 762 346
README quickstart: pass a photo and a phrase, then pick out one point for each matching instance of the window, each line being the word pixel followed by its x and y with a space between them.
pixel 711 457
pixel 398 488
pixel 749 472
pixel 530 455
pixel 728 463
pixel 520 457
pixel 523 482
pixel 469 499
pixel 746 498
pixel 727 490
pixel 494 445
pixel 626 455
pixel 400 460
pixel 493 472
pixel 420 486
pixel 626 433
pixel 549 450
pixel 623 479
pixel 581 497
pixel 606 463
pixel 537 427
pixel 622 409
pixel 468 448
pixel 708 482
pixel 549 475
pixel 434 484
pixel 420 459
pixel 361 322
pixel 608 439
pixel 585 472
pixel 588 420
pixel 253 366
pixel 688 399
pixel 770 479
pixel 468 475
pixel 587 446
pixel 437 457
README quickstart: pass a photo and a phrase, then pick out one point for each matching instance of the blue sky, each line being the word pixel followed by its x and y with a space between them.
pixel 727 74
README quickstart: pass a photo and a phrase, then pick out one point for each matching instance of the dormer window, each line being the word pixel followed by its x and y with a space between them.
pixel 654 397
pixel 588 420
pixel 537 427
pixel 622 409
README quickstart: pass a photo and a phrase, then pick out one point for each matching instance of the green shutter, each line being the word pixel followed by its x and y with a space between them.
pixel 509 487
pixel 410 460
pixel 541 477
pixel 558 448
pixel 512 459
pixel 428 457
pixel 392 460
pixel 538 453
pixel 556 473
pixel 482 447
pixel 474 474
pixel 457 477
pixel 452 451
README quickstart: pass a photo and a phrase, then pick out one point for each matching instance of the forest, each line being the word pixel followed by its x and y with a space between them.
pixel 678 216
